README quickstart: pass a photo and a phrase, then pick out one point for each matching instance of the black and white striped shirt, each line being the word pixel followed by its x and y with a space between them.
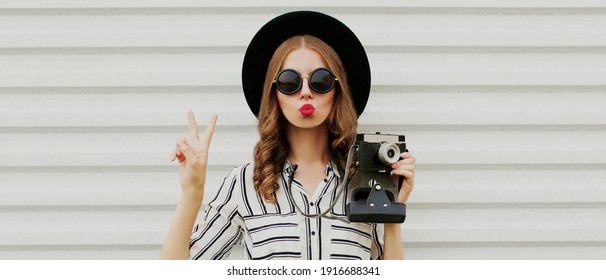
pixel 277 231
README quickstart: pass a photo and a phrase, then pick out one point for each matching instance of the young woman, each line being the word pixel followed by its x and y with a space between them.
pixel 307 102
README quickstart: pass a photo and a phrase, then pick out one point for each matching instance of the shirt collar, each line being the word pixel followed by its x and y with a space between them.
pixel 331 167
pixel 287 168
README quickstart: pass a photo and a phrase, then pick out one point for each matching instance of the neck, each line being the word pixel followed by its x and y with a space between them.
pixel 308 145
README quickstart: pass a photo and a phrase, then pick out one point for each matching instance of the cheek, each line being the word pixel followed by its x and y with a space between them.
pixel 281 100
pixel 286 103
pixel 329 102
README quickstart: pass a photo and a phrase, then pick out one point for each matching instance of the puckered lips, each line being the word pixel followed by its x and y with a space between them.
pixel 307 110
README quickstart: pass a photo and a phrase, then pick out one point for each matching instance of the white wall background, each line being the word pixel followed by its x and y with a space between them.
pixel 503 103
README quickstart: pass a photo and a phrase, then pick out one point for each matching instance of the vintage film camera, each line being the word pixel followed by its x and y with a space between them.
pixel 371 192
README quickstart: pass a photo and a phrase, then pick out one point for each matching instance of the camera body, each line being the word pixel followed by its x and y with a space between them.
pixel 376 152
pixel 371 192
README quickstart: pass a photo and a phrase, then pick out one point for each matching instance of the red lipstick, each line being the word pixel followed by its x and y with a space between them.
pixel 307 110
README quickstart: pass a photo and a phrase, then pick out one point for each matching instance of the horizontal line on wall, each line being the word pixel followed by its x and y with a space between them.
pixel 506 205
pixel 238 89
pixel 135 50
pixel 122 129
pixel 144 50
pixel 517 166
pixel 411 206
pixel 249 128
pixel 216 167
pixel 487 49
pixel 332 10
pixel 127 247
pixel 123 90
pixel 492 88
pixel 496 127
pixel 87 208
pixel 505 244
pixel 102 169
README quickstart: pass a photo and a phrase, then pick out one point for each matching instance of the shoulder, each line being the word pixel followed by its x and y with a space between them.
pixel 241 170
pixel 231 186
pixel 241 174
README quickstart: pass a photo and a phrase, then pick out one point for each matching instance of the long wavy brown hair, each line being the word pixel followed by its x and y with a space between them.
pixel 271 151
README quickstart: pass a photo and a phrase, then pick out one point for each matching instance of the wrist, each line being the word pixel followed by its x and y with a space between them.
pixel 192 195
pixel 392 228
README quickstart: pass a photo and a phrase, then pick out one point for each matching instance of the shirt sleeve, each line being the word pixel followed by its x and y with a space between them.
pixel 377 248
pixel 215 236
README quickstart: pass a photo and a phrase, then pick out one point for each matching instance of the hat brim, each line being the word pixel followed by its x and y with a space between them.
pixel 328 29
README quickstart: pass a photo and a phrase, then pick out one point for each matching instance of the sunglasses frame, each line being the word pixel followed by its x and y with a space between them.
pixel 275 81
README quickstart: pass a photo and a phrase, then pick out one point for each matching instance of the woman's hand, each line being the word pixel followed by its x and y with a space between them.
pixel 192 156
pixel 404 167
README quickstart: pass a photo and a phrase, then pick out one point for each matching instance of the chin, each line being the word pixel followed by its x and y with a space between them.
pixel 308 122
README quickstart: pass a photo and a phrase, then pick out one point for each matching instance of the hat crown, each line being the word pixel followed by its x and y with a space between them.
pixel 326 28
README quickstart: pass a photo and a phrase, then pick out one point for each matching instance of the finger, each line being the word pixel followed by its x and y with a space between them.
pixel 408 161
pixel 181 158
pixel 406 171
pixel 410 168
pixel 184 141
pixel 187 152
pixel 193 126
pixel 407 155
pixel 176 154
pixel 409 178
pixel 210 129
pixel 173 154
pixel 179 144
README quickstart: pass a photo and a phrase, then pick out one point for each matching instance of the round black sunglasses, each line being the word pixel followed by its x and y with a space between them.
pixel 321 80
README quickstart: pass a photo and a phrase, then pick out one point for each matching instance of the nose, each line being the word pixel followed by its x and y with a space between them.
pixel 305 90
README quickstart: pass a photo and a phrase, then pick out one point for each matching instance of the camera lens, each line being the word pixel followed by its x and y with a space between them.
pixel 388 153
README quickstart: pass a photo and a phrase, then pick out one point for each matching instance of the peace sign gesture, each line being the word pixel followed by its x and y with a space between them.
pixel 192 156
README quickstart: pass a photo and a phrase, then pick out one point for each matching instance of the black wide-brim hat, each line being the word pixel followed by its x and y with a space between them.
pixel 328 29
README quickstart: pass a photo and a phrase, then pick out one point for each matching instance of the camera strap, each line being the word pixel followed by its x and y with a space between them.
pixel 340 190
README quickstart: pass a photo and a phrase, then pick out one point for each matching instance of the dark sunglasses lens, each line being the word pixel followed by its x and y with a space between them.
pixel 322 81
pixel 288 82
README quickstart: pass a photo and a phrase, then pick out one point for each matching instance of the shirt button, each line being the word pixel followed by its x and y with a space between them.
pixel 313 233
pixel 311 204
pixel 325 180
